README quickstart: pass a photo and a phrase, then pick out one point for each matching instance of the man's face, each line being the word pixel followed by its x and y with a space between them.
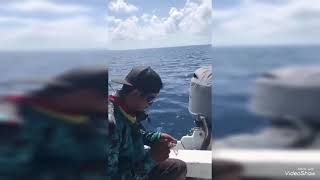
pixel 141 101
pixel 86 101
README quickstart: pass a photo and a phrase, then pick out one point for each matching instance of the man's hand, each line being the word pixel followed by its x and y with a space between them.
pixel 167 138
pixel 160 151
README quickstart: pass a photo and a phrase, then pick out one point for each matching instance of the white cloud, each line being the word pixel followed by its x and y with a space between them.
pixel 68 33
pixel 113 20
pixel 125 29
pixel 43 6
pixel 13 20
pixel 255 22
pixel 76 29
pixel 188 25
pixel 120 6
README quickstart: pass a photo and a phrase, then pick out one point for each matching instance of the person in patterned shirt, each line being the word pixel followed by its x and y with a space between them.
pixel 58 131
pixel 127 158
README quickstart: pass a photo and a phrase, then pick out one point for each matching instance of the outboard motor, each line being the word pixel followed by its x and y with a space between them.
pixel 200 106
pixel 291 95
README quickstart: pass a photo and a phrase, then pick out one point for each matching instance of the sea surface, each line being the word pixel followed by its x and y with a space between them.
pixel 235 70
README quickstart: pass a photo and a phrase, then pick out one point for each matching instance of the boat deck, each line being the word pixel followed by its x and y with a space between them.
pixel 199 162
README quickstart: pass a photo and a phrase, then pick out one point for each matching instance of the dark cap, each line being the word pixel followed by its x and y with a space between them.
pixel 143 78
pixel 92 78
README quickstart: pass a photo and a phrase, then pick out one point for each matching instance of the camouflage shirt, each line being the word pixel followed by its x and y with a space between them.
pixel 127 157
pixel 37 143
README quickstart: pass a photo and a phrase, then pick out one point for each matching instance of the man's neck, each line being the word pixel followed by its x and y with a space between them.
pixel 124 104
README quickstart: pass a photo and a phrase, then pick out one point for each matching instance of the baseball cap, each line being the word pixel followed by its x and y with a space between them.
pixel 93 78
pixel 144 78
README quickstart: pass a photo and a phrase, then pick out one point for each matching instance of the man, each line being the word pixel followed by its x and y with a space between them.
pixel 58 131
pixel 127 157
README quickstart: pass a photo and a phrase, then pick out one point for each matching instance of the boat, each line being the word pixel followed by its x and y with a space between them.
pixel 290 94
pixel 195 149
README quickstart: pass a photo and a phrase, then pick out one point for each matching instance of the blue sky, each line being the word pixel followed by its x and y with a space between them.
pixel 112 24
pixel 266 22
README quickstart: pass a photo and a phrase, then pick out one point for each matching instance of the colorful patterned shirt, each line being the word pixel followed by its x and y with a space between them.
pixel 127 157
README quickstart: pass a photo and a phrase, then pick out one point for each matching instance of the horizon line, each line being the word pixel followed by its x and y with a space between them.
pixel 106 49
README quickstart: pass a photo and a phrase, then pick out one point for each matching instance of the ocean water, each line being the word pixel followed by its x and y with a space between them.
pixel 175 65
pixel 235 70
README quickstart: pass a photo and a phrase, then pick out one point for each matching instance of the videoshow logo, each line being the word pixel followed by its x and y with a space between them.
pixel 301 172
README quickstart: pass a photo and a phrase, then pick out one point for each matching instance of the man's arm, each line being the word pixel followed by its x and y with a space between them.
pixel 149 138
pixel 117 134
pixel 141 169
